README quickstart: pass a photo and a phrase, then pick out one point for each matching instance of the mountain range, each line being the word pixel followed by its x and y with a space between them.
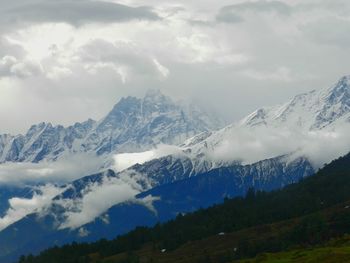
pixel 113 202
pixel 133 125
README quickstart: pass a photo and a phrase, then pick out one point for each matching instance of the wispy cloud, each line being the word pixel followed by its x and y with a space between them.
pixel 20 207
pixel 97 198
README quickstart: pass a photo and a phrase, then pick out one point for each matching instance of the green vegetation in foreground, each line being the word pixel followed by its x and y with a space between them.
pixel 332 253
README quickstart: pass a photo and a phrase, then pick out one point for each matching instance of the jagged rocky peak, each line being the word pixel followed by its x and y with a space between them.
pixel 153 101
pixel 124 110
pixel 156 102
pixel 126 104
pixel 130 111
pixel 134 124
pixel 335 104
pixel 36 128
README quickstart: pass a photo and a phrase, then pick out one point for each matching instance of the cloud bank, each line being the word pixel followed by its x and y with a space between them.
pixel 61 171
pixel 250 145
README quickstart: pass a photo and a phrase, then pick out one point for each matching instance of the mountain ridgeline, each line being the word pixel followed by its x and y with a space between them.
pixel 132 125
pixel 313 110
pixel 138 124
pixel 328 188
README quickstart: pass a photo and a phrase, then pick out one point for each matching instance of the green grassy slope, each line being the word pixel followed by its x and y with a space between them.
pixel 337 251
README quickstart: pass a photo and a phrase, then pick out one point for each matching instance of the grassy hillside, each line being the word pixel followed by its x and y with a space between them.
pixel 305 214
pixel 324 255
pixel 337 251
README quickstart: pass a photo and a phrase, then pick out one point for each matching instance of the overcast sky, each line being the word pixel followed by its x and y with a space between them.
pixel 67 60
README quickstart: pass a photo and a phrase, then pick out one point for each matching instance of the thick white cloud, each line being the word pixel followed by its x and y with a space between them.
pixel 64 170
pixel 252 145
pixel 98 198
pixel 20 207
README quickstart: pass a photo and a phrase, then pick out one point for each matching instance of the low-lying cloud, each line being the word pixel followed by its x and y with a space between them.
pixel 126 160
pixel 20 207
pixel 252 145
pixel 99 197
pixel 63 170
pixel 248 145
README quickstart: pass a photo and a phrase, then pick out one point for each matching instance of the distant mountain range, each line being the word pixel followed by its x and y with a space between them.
pixel 133 125
pixel 159 189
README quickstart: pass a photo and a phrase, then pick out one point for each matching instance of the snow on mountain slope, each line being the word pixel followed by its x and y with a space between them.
pixel 310 111
pixel 133 125
pixel 43 141
pixel 139 124
pixel 299 128
pixel 305 124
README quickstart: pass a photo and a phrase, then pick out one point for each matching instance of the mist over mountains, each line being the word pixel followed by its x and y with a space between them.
pixel 152 159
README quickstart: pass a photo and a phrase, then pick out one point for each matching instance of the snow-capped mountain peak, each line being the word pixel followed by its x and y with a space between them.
pixel 309 111
pixel 278 130
pixel 133 125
